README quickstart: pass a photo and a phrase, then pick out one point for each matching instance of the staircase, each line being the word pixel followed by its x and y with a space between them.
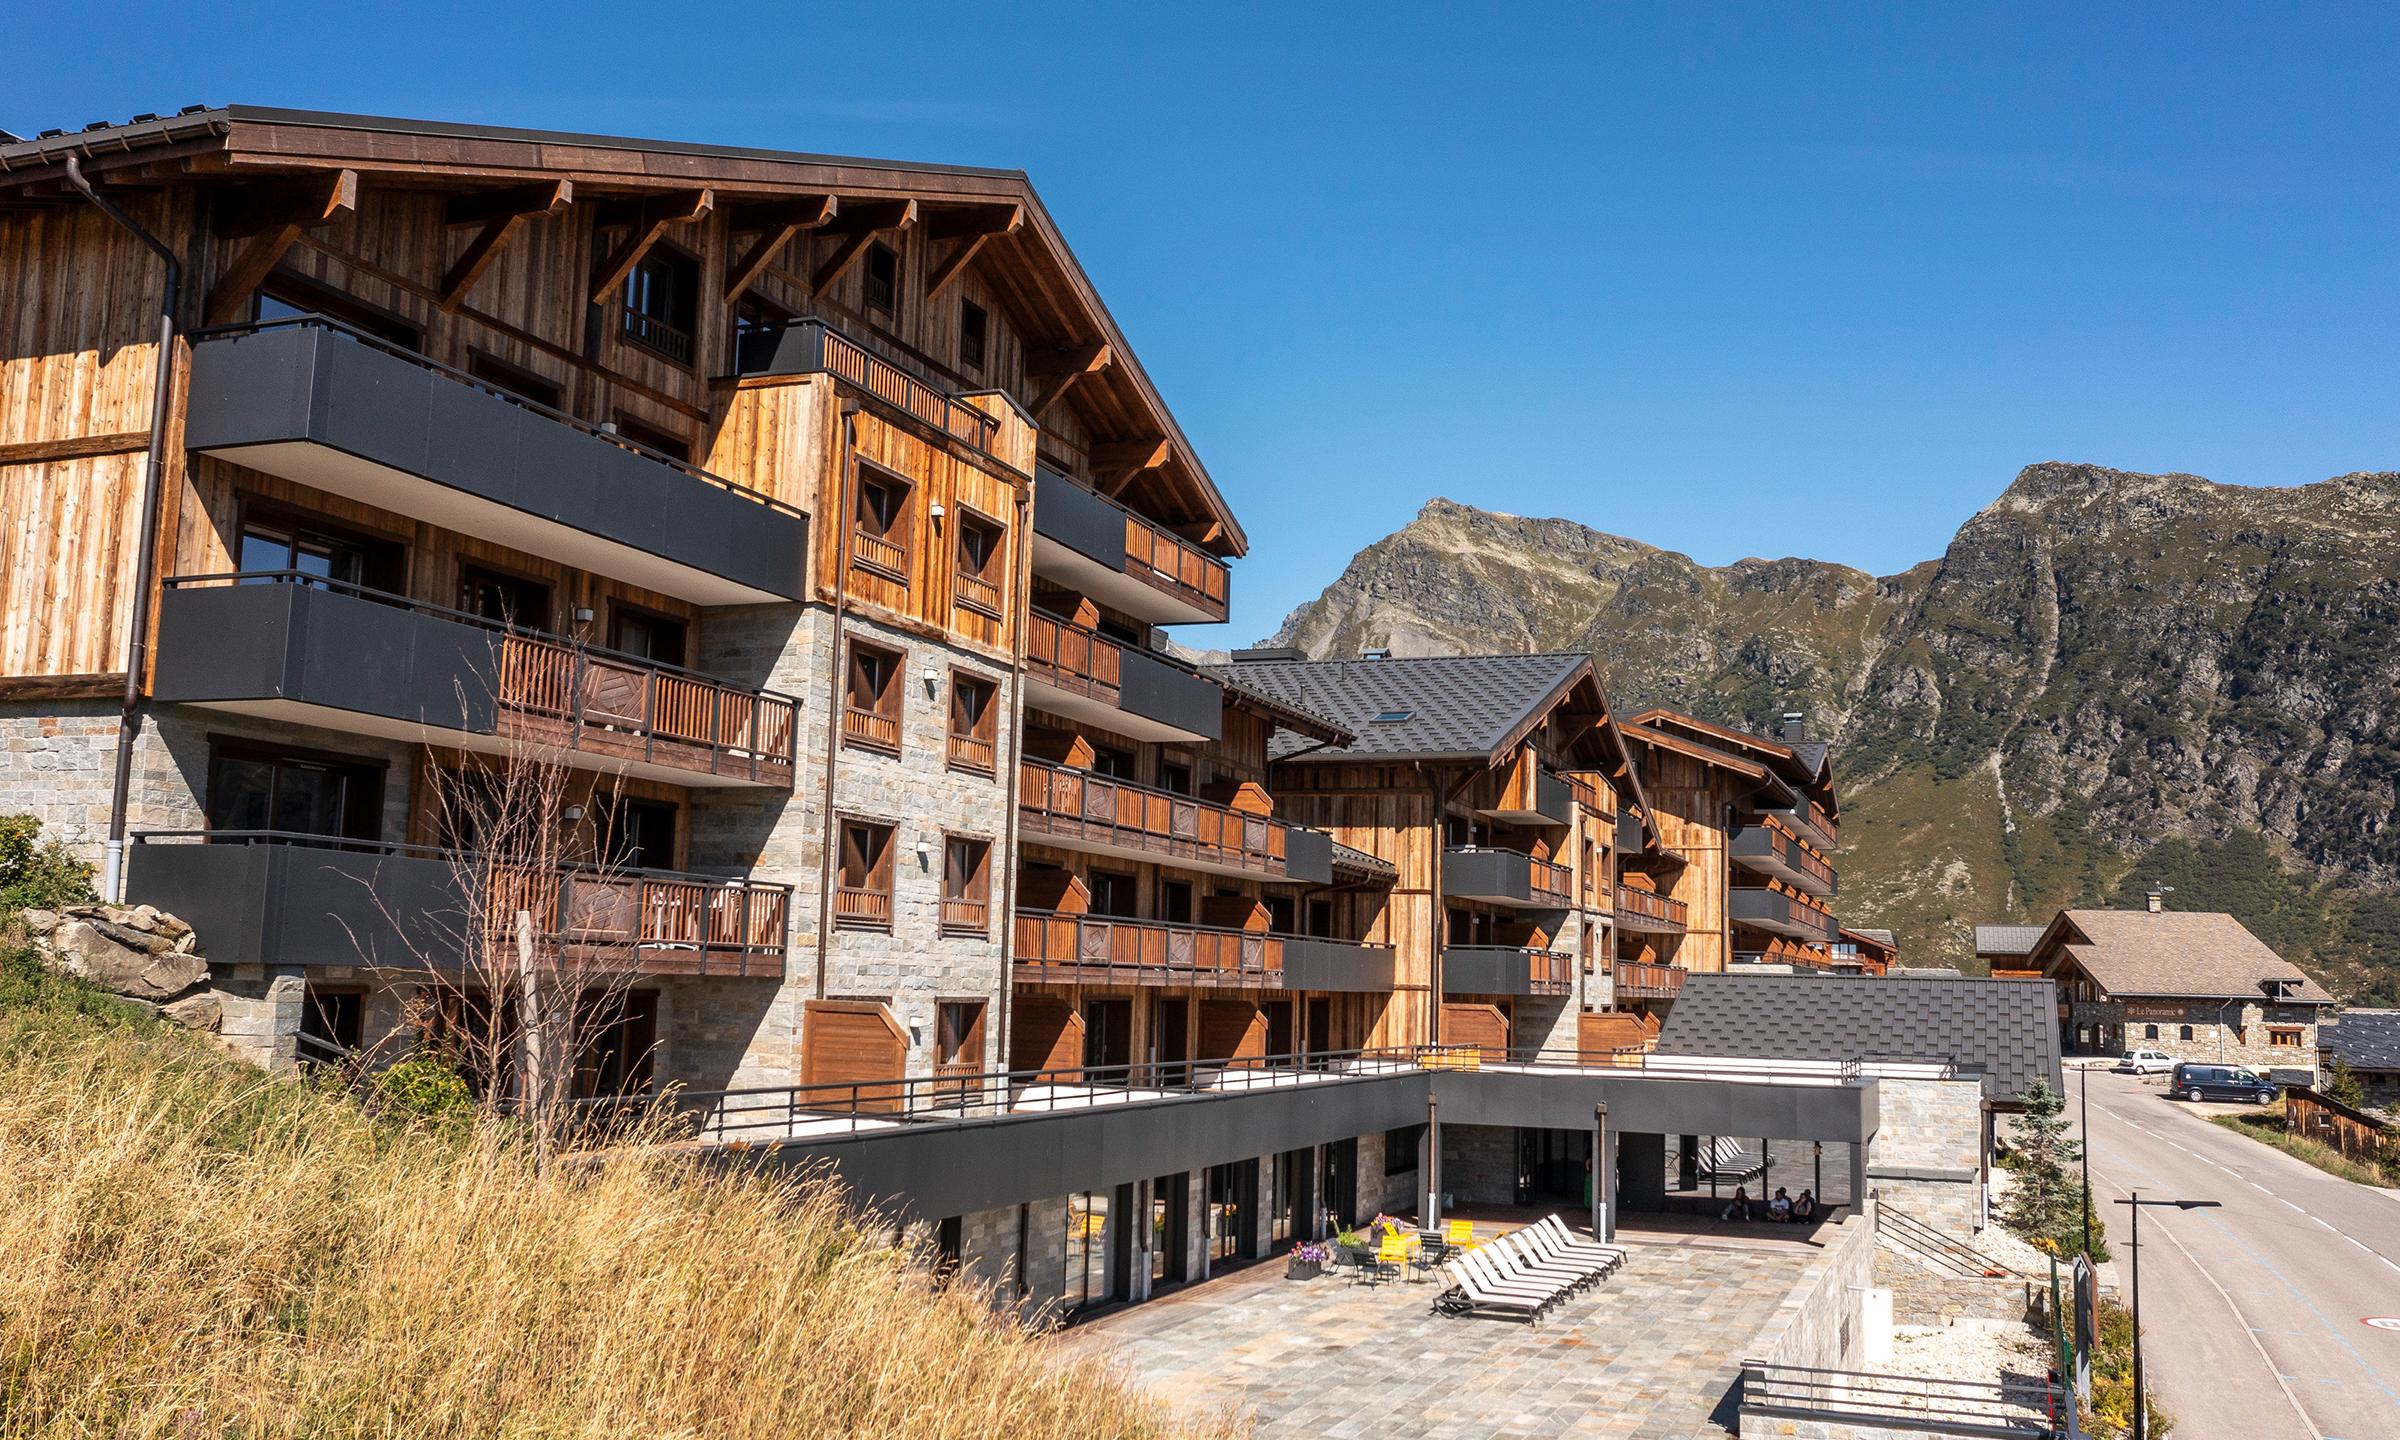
pixel 1899 1231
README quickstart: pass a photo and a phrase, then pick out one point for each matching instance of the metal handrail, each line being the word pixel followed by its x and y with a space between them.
pixel 2034 1409
pixel 830 340
pixel 402 849
pixel 452 372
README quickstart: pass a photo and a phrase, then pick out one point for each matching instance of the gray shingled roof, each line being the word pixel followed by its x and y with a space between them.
pixel 2010 1027
pixel 1359 862
pixel 2007 939
pixel 1457 705
pixel 1296 718
pixel 2368 1039
pixel 2175 953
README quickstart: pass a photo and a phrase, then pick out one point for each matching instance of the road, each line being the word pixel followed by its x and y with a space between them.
pixel 2254 1312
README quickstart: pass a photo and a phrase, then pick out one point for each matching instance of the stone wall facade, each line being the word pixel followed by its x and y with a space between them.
pixel 2226 1033
pixel 1819 1323
pixel 58 764
pixel 1928 1152
pixel 1479 1164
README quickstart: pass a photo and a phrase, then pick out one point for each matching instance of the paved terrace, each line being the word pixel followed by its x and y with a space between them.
pixel 1652 1353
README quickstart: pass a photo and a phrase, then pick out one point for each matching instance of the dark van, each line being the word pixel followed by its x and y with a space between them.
pixel 2195 1081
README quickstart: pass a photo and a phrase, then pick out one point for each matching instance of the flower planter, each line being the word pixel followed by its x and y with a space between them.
pixel 1296 1269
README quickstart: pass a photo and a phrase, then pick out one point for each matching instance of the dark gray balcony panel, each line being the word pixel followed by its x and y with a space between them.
pixel 1336 965
pixel 1780 913
pixel 295 643
pixel 319 407
pixel 1080 520
pixel 1491 970
pixel 1501 877
pixel 1629 831
pixel 1308 856
pixel 1757 848
pixel 278 904
pixel 1171 695
pixel 1552 799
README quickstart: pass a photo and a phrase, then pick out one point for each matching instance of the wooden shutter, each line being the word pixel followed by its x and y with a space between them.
pixel 855 1042
pixel 1482 1026
pixel 1045 1034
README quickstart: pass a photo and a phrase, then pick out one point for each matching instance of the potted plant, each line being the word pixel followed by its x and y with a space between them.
pixel 1306 1262
pixel 1352 1245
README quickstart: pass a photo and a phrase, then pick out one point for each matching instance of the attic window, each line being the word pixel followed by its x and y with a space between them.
pixel 1393 717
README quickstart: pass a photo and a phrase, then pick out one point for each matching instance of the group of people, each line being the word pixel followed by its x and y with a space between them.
pixel 1783 1207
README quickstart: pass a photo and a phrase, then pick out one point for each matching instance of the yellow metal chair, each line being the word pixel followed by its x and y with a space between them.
pixel 1459 1233
pixel 1391 1256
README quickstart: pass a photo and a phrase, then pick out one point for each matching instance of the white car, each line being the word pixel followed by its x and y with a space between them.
pixel 2144 1062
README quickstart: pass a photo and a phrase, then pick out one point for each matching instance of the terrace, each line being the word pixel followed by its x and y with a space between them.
pixel 1078 810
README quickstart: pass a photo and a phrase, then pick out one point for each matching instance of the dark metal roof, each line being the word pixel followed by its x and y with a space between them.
pixel 2368 1039
pixel 2007 939
pixel 1457 706
pixel 1290 716
pixel 2009 1027
pixel 1351 861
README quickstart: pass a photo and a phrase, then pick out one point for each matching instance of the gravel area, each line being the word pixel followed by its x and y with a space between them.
pixel 1997 1241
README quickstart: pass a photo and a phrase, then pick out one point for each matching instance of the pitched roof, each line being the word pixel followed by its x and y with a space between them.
pixel 1877 936
pixel 1450 707
pixel 1802 762
pixel 2009 1027
pixel 2368 1039
pixel 1296 718
pixel 2007 939
pixel 2170 952
pixel 1751 770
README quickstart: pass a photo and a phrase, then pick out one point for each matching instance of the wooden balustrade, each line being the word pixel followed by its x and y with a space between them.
pixel 646 923
pixel 867 728
pixel 1072 658
pixel 859 907
pixel 884 557
pixel 976 593
pixel 847 360
pixel 551 692
pixel 969 753
pixel 1554 882
pixel 1635 906
pixel 1638 981
pixel 1100 949
pixel 1078 805
pixel 969 917
pixel 1553 971
pixel 1171 563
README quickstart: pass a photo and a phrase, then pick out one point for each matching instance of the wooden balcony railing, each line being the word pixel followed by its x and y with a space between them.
pixel 976 593
pixel 599 702
pixel 809 344
pixel 969 753
pixel 1637 981
pixel 859 907
pixel 1639 909
pixel 1553 882
pixel 884 557
pixel 1548 972
pixel 1078 805
pixel 656 923
pixel 1167 561
pixel 1071 658
pixel 966 917
pixel 1585 792
pixel 867 728
pixel 1099 949
pixel 648 330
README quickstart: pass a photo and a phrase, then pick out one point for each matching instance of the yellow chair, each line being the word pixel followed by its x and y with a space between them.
pixel 1460 1233
pixel 1391 1255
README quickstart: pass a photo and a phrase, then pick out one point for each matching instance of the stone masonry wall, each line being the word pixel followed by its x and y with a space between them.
pixel 1819 1323
pixel 1479 1164
pixel 2232 1035
pixel 1926 1156
pixel 57 763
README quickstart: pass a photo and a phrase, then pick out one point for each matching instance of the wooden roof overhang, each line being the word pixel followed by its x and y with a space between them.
pixel 1780 757
pixel 1073 343
pixel 1765 782
pixel 1587 731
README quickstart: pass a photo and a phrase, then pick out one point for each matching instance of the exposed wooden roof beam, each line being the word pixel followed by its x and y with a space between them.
pixel 970 229
pixel 651 220
pixel 1056 379
pixel 856 229
pixel 774 225
pixel 1115 463
pixel 501 213
pixel 272 216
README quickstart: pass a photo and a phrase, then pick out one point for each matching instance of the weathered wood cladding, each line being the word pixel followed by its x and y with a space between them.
pixel 1689 800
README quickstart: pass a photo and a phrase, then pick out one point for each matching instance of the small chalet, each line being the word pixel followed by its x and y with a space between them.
pixel 2370 1041
pixel 2196 984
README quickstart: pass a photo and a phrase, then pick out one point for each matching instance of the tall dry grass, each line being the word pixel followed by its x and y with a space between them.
pixel 188 1249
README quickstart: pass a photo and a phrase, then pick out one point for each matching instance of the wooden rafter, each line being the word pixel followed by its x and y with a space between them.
pixel 854 231
pixel 774 226
pixel 651 221
pixel 501 213
pixel 970 229
pixel 1116 463
pixel 1056 379
pixel 271 217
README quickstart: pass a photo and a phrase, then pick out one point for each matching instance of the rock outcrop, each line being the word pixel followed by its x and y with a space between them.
pixel 135 951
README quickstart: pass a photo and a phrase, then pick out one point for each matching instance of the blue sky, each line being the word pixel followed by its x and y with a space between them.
pixel 1734 281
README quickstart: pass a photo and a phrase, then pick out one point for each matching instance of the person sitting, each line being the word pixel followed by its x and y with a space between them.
pixel 1740 1208
pixel 1805 1208
pixel 1780 1208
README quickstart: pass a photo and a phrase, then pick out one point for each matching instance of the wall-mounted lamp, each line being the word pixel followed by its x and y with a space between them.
pixel 574 814
pixel 924 853
pixel 933 678
pixel 583 615
pixel 936 511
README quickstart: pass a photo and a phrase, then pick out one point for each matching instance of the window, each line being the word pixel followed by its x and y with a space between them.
pixel 650 437
pixel 617 1041
pixel 863 899
pixel 871 699
pixel 1281 917
pixel 1175 901
pixel 974 335
pixel 503 598
pixel 1087 1237
pixel 1176 776
pixel 635 834
pixel 253 787
pixel 284 295
pixel 2283 1036
pixel 2149 1032
pixel 756 323
pixel 1113 894
pixel 966 886
pixel 883 280
pixel 958 1035
pixel 1400 1149
pixel 2187 1032
pixel 1112 763
pixel 516 379
pixel 662 302
pixel 974 707
pixel 332 1023
pixel 646 633
pixel 1392 717
pixel 979 564
pixel 879 524
pixel 292 543
pixel 1320 918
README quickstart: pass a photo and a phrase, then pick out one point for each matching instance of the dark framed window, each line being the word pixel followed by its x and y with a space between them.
pixel 883 280
pixel 871 698
pixel 863 896
pixel 1400 1150
pixel 760 317
pixel 1114 894
pixel 635 834
pixel 966 885
pixel 516 379
pixel 262 787
pixel 635 631
pixel 879 526
pixel 662 302
pixel 974 713
pixel 1114 763
pixel 1175 775
pixel 974 335
pixel 958 1034
pixel 617 1043
pixel 333 1017
pixel 651 437
pixel 503 598
pixel 1175 901
pixel 274 538
pixel 283 295
pixel 979 548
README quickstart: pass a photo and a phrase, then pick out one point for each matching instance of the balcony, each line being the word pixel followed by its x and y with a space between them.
pixel 1506 970
pixel 278 898
pixel 1650 912
pixel 340 657
pixel 1635 981
pixel 1088 677
pixel 1767 848
pixel 1811 822
pixel 809 346
pixel 1093 545
pixel 1778 913
pixel 327 407
pixel 1506 877
pixel 1336 966
pixel 1105 950
pixel 1531 795
pixel 1093 814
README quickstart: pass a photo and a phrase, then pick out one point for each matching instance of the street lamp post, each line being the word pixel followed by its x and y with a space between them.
pixel 2141 1397
pixel 2085 1071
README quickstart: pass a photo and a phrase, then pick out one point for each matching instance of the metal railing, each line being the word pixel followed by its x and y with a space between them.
pixel 1548 972
pixel 2010 1409
pixel 809 344
pixel 1158 556
pixel 1078 805
pixel 451 372
pixel 1101 949
pixel 1946 1253
pixel 1635 905
pixel 596 700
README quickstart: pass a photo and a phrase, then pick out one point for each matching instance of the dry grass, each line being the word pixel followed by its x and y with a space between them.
pixel 196 1250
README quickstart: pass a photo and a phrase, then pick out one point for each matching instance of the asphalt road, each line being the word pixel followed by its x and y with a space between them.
pixel 2254 1314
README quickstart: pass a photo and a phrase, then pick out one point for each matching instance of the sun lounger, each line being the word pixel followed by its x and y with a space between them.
pixel 1469 1295
pixel 1516 1253
pixel 1542 1246
pixel 1502 1278
pixel 1567 1240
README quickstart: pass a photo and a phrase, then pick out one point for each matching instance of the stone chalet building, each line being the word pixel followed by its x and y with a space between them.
pixel 2195 984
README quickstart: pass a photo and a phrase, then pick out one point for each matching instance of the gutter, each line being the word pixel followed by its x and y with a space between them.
pixel 833 696
pixel 137 641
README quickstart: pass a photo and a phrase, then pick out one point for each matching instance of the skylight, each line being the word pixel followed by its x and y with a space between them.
pixel 1393 717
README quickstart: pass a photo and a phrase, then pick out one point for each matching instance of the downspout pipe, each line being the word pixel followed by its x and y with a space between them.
pixel 137 641
pixel 845 478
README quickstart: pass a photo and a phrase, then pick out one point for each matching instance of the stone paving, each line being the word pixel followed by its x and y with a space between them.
pixel 1652 1354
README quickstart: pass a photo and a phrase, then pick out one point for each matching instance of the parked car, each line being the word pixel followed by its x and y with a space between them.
pixel 2194 1081
pixel 2144 1062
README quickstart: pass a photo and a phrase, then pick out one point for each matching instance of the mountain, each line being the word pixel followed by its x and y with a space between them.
pixel 2108 680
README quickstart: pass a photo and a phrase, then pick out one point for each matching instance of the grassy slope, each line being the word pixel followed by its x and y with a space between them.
pixel 196 1249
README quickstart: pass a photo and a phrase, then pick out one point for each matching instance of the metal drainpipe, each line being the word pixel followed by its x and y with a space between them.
pixel 833 699
pixel 1021 567
pixel 137 643
pixel 1439 924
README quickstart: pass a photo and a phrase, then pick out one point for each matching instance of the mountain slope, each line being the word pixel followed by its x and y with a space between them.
pixel 2098 663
